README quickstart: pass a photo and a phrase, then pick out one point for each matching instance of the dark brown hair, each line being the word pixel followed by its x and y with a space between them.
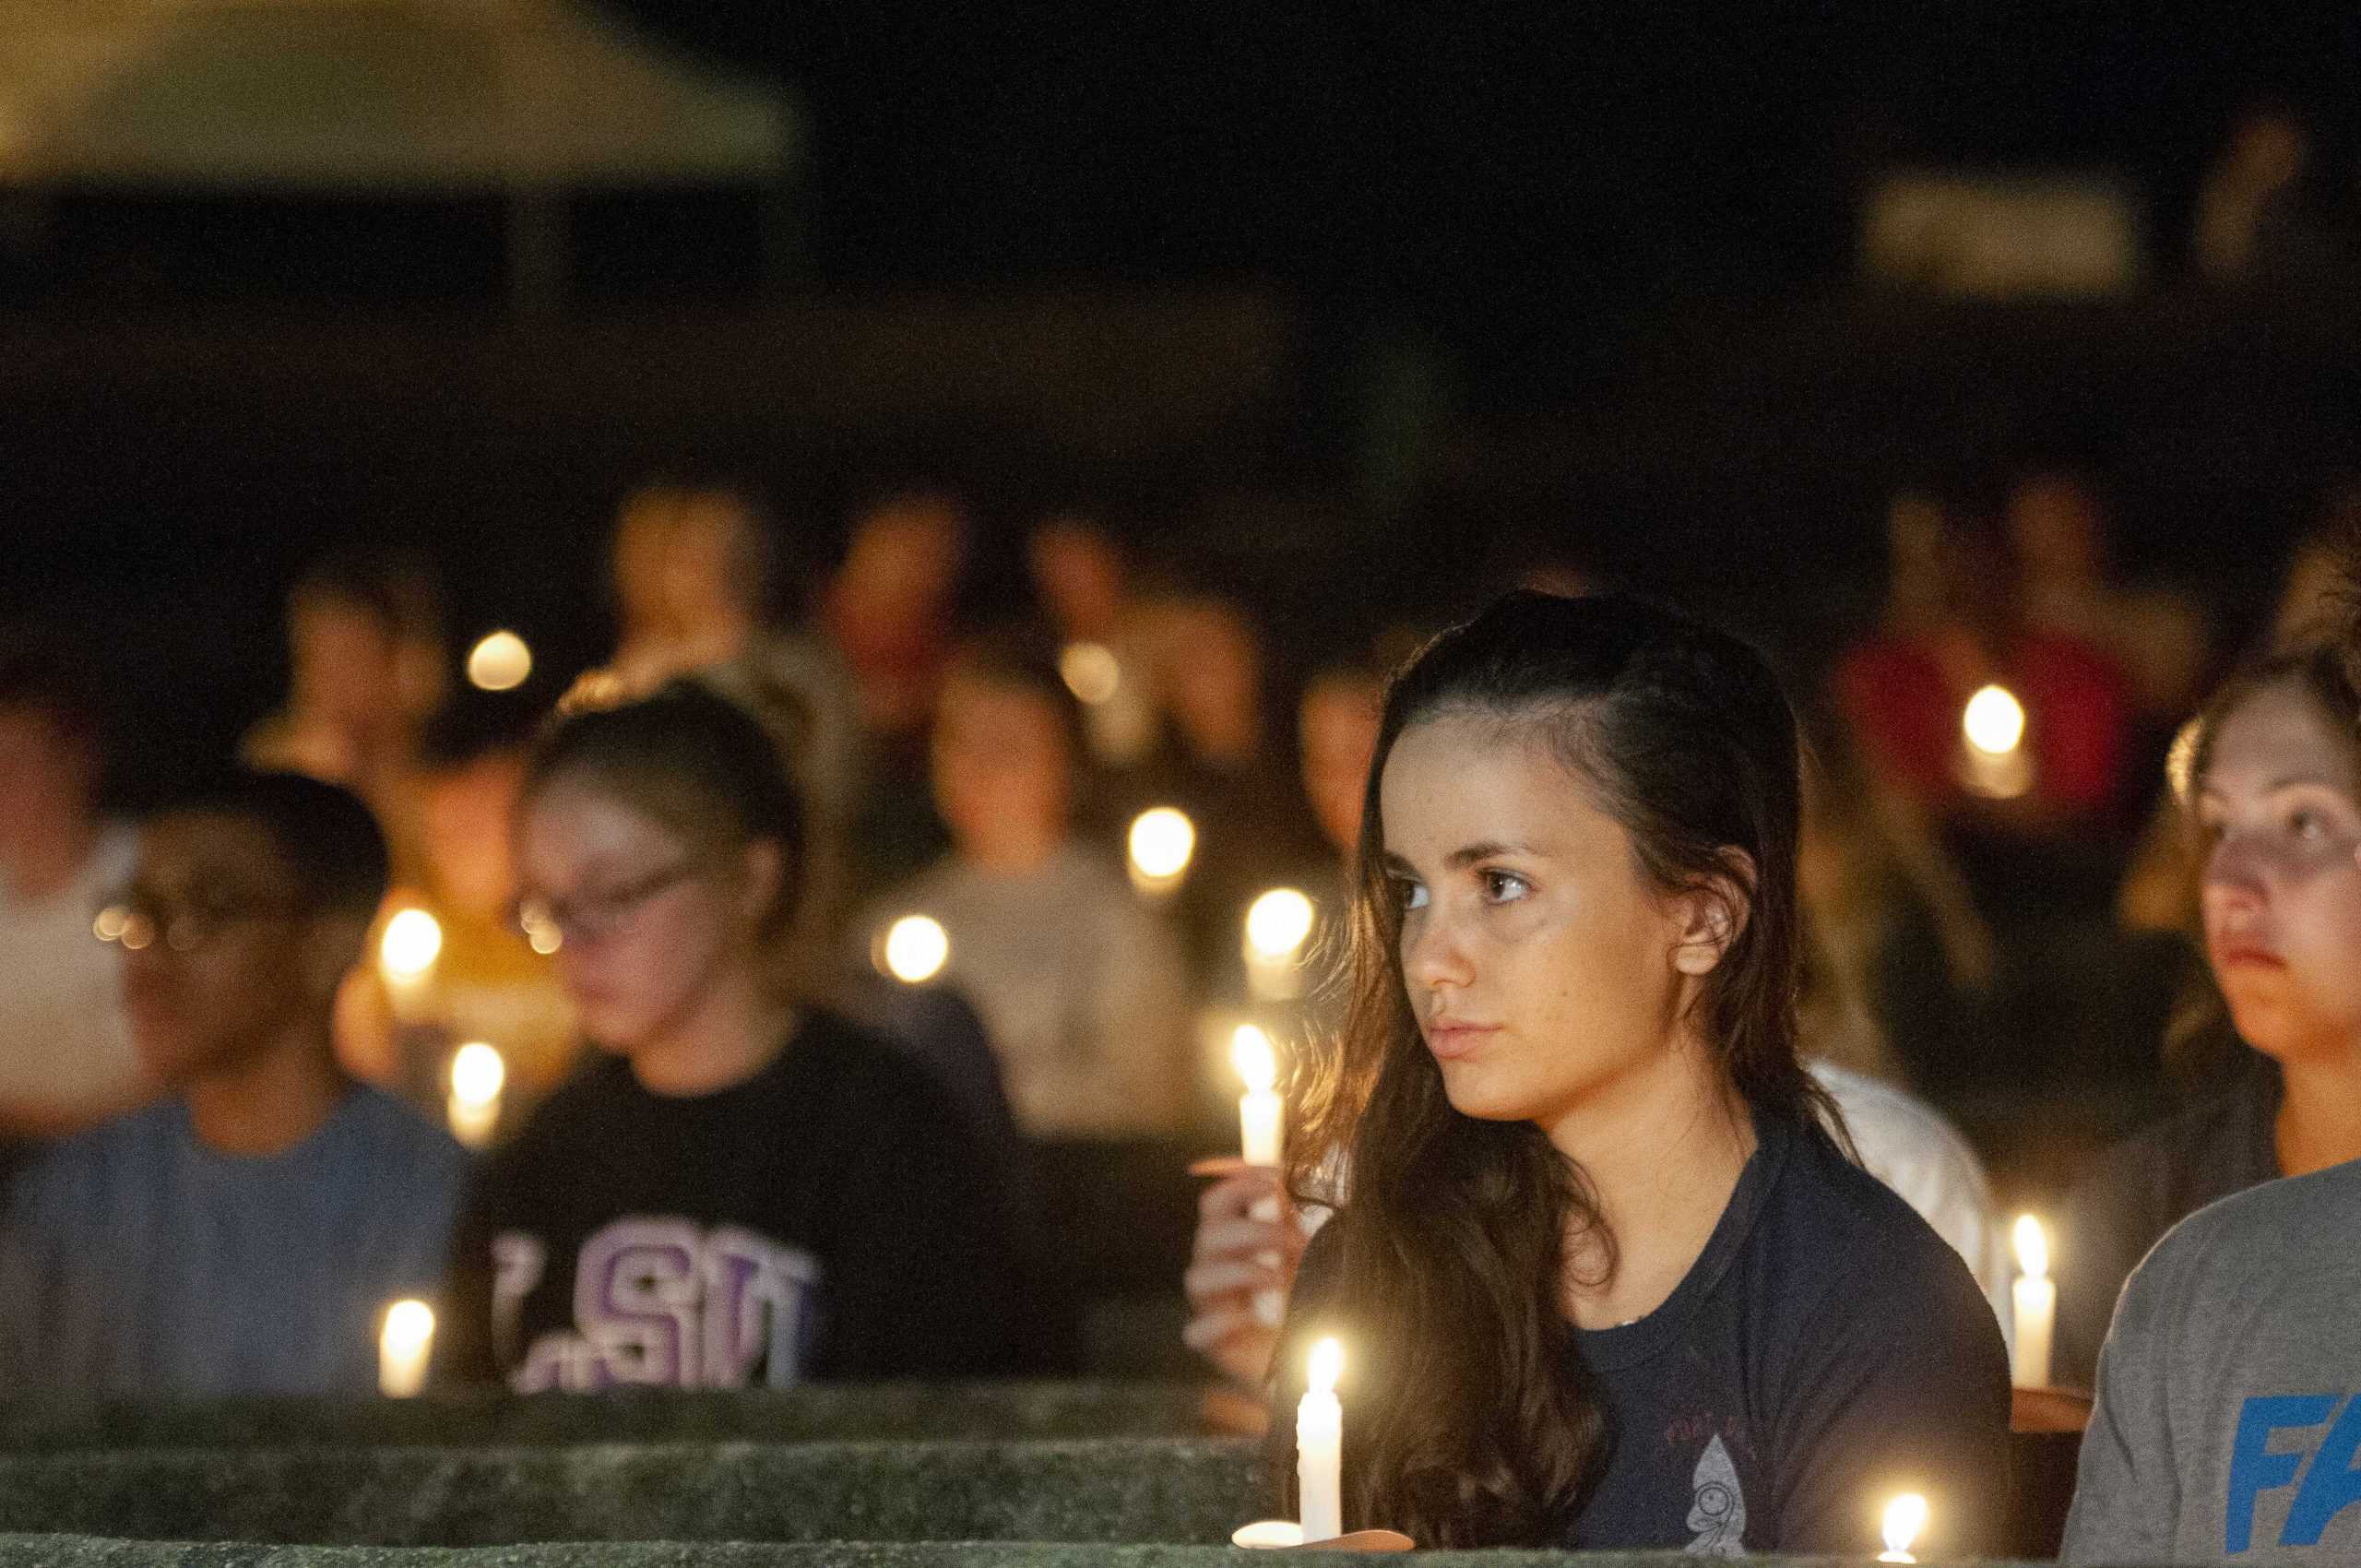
pixel 1476 1423
pixel 694 761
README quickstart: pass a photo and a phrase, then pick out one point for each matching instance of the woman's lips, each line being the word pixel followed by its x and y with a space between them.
pixel 1451 1041
pixel 2236 954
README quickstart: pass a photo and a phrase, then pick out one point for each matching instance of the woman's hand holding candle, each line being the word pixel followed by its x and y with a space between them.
pixel 1240 1253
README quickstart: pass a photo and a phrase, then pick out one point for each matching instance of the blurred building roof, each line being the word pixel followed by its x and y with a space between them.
pixel 412 95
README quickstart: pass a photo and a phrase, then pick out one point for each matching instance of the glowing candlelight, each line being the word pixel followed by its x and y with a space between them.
pixel 1319 1446
pixel 413 940
pixel 402 1349
pixel 500 662
pixel 1994 721
pixel 478 1075
pixel 1277 925
pixel 1091 671
pixel 2036 1302
pixel 1162 842
pixel 1904 1518
pixel 914 949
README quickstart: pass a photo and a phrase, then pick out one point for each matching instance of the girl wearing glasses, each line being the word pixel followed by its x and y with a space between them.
pixel 746 1190
pixel 1605 1280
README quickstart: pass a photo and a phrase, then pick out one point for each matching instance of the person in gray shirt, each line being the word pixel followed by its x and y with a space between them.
pixel 244 1234
pixel 2228 1422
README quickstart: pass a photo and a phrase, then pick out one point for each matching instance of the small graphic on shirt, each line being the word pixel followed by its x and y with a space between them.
pixel 668 1302
pixel 1717 1508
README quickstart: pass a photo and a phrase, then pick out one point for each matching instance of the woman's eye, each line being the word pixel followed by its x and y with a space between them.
pixel 1501 886
pixel 1409 894
pixel 2306 825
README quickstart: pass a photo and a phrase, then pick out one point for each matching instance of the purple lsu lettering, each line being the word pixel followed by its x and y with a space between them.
pixel 666 1302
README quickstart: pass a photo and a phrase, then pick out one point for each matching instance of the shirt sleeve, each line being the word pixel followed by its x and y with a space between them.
pixel 2100 1236
pixel 2127 1492
pixel 1905 1389
pixel 466 1355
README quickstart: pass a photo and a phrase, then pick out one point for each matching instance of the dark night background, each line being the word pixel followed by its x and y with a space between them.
pixel 1343 299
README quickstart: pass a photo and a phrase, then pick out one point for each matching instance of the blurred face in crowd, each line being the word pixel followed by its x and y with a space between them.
pixel 1337 729
pixel 1004 771
pixel 2054 527
pixel 651 919
pixel 46 778
pixel 643 541
pixel 905 557
pixel 1546 972
pixel 225 956
pixel 708 580
pixel 468 850
pixel 1213 672
pixel 1080 578
pixel 347 661
pixel 2278 822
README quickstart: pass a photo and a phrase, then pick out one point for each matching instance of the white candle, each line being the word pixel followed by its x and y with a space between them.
pixel 1262 1116
pixel 1319 1446
pixel 478 1075
pixel 1904 1518
pixel 2037 1303
pixel 402 1349
pixel 406 957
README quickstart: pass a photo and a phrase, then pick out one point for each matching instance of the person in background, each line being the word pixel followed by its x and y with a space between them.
pixel 1081 988
pixel 243 1234
pixel 488 983
pixel 698 581
pixel 2066 586
pixel 365 667
pixel 65 1055
pixel 802 1199
pixel 1082 581
pixel 2228 1419
pixel 2271 789
pixel 1608 1281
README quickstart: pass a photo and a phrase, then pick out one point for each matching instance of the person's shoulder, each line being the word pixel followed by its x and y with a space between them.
pixel 1889 1123
pixel 65 1179
pixel 1830 1227
pixel 852 1057
pixel 407 1140
pixel 2196 1134
pixel 2263 1227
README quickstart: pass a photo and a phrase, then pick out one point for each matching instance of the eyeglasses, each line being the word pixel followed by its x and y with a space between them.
pixel 136 920
pixel 597 913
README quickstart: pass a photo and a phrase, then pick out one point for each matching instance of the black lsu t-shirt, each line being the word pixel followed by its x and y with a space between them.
pixel 1826 1352
pixel 827 1218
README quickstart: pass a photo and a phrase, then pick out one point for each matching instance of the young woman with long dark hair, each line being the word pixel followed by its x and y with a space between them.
pixel 1604 1279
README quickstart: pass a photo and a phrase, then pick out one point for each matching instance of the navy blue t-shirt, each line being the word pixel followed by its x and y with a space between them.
pixel 1826 1352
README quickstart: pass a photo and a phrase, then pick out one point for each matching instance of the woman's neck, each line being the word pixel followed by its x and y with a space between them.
pixel 733 1030
pixel 2319 1114
pixel 1662 1148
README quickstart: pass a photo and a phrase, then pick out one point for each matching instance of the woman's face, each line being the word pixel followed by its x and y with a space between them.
pixel 2277 816
pixel 1545 970
pixel 647 923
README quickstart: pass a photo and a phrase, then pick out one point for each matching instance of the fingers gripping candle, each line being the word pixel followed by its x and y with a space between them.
pixel 1319 1446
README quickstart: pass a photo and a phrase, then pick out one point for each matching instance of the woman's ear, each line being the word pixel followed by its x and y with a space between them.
pixel 1713 915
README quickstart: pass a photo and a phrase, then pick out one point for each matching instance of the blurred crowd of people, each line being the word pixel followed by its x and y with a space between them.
pixel 1015 877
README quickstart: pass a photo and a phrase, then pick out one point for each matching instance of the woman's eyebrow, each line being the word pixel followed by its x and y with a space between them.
pixel 1460 858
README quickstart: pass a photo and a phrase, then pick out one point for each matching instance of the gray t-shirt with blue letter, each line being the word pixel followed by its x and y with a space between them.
pixel 2229 1424
pixel 135 1261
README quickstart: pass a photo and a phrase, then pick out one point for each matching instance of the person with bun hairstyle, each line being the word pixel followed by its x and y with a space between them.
pixel 748 1191
pixel 1604 1277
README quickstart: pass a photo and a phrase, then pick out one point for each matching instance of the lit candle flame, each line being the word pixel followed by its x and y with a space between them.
pixel 1250 1053
pixel 413 940
pixel 1091 671
pixel 1904 1518
pixel 477 1074
pixel 1279 923
pixel 916 949
pixel 1994 721
pixel 402 1346
pixel 501 662
pixel 1162 841
pixel 1327 1364
pixel 2033 1247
